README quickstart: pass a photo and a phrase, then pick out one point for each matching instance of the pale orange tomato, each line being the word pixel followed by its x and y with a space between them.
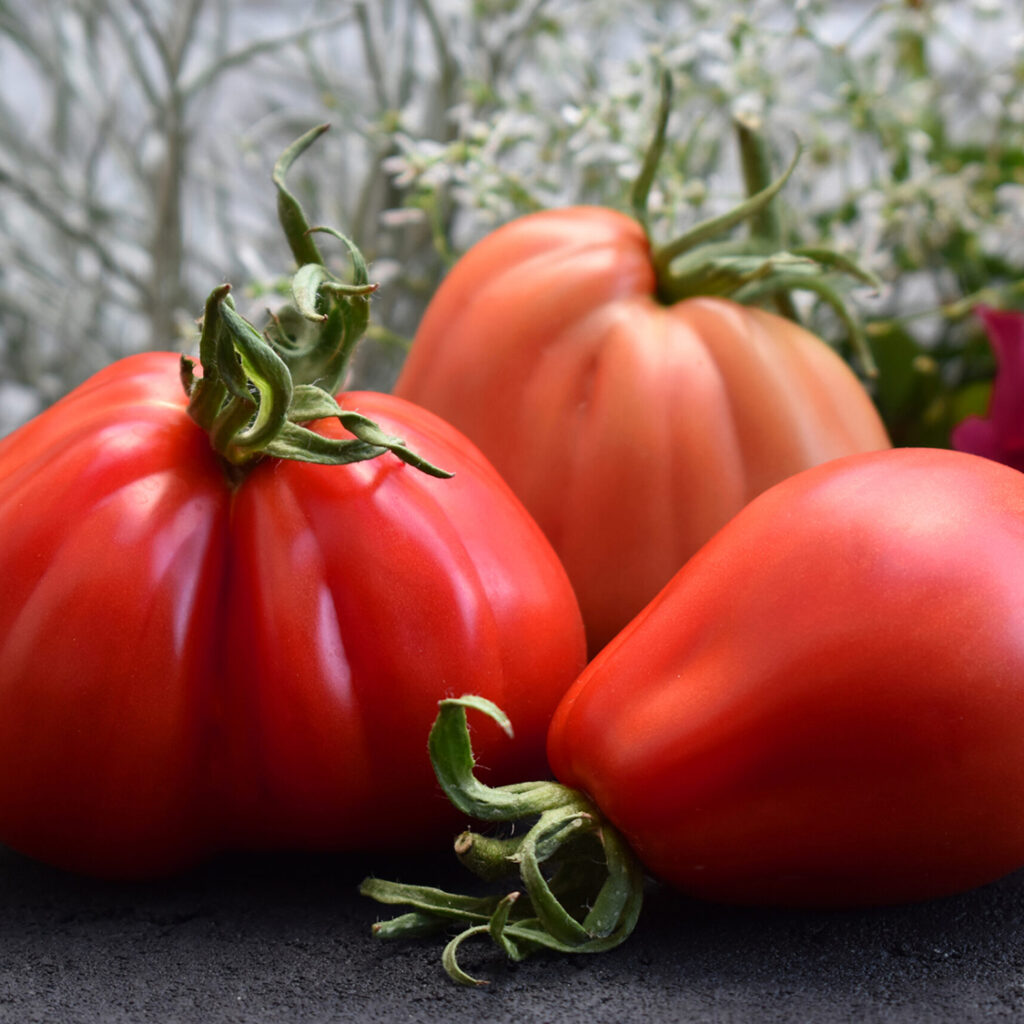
pixel 632 429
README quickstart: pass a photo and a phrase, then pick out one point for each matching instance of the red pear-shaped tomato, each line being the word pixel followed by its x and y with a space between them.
pixel 826 705
pixel 631 429
pixel 196 657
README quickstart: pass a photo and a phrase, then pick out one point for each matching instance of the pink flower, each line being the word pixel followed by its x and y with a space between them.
pixel 1001 435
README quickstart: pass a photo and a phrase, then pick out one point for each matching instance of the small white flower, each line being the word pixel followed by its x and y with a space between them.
pixel 920 141
pixel 571 114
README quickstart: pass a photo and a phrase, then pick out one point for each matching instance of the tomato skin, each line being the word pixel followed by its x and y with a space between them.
pixel 188 666
pixel 824 707
pixel 630 430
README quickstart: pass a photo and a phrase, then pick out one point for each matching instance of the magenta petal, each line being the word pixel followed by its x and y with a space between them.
pixel 976 436
pixel 1006 335
pixel 1000 436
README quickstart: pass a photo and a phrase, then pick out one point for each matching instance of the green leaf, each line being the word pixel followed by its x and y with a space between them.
pixel 556 920
pixel 263 369
pixel 451 753
pixel 289 210
pixel 413 925
pixel 304 445
pixel 428 900
pixel 306 290
pixel 450 958
pixel 665 255
pixel 310 402
pixel 360 272
pixel 652 158
pixel 839 262
pixel 497 928
pixel 621 894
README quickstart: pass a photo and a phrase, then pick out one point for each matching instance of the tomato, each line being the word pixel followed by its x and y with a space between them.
pixel 194 659
pixel 826 705
pixel 631 429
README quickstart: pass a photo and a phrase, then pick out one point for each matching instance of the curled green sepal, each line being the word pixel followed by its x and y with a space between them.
pixel 580 887
pixel 762 268
pixel 316 333
pixel 258 390
pixel 249 406
pixel 289 209
pixel 664 256
pixel 207 393
pixel 298 442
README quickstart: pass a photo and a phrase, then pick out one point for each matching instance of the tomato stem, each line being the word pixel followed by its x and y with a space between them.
pixel 664 256
pixel 581 886
pixel 759 268
pixel 259 389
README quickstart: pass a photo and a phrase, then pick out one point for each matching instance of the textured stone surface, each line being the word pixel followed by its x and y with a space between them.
pixel 286 939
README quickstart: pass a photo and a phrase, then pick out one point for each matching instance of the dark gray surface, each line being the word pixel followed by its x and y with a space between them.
pixel 286 939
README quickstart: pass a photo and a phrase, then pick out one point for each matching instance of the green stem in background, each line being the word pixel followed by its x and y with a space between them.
pixel 580 887
pixel 756 163
pixel 259 389
pixel 1001 296
pixel 652 158
pixel 759 268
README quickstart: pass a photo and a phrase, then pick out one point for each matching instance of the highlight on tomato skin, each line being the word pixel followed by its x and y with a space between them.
pixel 824 707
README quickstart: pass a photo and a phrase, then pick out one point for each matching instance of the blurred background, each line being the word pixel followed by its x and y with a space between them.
pixel 137 139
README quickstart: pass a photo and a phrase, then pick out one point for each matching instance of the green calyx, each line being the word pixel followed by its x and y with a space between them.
pixel 579 889
pixel 755 269
pixel 259 389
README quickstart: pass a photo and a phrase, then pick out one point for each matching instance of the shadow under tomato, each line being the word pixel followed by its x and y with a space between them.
pixel 281 936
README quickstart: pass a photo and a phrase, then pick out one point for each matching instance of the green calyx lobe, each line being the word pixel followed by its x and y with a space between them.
pixel 258 390
pixel 579 887
pixel 758 268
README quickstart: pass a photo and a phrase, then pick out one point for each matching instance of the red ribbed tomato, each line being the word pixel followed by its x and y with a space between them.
pixel 826 705
pixel 195 657
pixel 630 428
